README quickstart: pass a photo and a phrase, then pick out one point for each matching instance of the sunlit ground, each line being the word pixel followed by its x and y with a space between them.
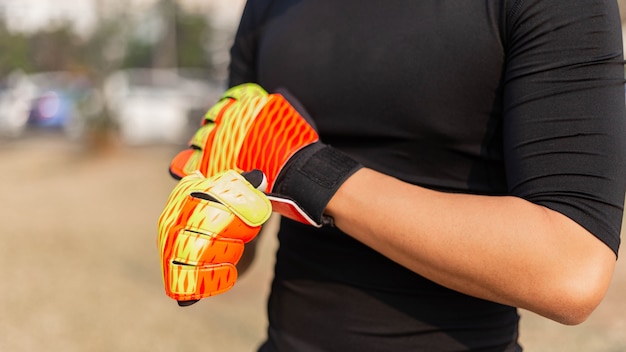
pixel 80 271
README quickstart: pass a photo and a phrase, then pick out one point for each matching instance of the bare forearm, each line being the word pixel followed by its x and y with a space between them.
pixel 503 249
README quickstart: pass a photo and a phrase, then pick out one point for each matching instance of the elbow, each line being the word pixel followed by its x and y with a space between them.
pixel 571 300
pixel 578 278
pixel 574 309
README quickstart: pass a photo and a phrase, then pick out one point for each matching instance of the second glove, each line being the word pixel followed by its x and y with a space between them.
pixel 202 232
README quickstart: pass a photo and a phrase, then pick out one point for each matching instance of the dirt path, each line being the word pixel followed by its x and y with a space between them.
pixel 80 272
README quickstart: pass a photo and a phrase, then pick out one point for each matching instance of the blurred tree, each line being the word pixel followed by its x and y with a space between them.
pixel 182 39
pixel 57 47
pixel 104 50
pixel 193 32
pixel 104 53
pixel 165 55
pixel 139 53
pixel 14 51
pixel 165 35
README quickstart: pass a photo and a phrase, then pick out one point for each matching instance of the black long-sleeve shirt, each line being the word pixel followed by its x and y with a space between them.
pixel 513 97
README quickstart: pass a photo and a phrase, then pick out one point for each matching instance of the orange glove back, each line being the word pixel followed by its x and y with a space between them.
pixel 202 231
pixel 250 139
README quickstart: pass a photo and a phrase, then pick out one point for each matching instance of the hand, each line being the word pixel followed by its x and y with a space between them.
pixel 203 229
pixel 251 129
pixel 240 132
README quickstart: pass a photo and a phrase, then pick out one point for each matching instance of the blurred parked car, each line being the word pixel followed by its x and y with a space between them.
pixel 152 106
pixel 60 101
pixel 50 101
pixel 16 94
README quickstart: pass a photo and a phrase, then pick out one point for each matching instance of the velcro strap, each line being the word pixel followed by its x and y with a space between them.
pixel 312 177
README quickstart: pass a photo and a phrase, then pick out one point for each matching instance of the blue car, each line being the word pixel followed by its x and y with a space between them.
pixel 52 109
pixel 58 101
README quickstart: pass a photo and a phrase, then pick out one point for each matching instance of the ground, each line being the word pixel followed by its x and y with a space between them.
pixel 80 271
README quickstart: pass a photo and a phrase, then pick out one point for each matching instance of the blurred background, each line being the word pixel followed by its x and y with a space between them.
pixel 142 69
pixel 96 97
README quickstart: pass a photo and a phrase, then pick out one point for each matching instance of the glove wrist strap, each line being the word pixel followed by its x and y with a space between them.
pixel 312 176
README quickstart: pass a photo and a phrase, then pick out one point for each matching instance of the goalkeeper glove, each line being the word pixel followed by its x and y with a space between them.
pixel 203 229
pixel 251 129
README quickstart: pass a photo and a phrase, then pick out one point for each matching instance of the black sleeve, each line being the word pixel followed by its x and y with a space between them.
pixel 564 122
pixel 243 53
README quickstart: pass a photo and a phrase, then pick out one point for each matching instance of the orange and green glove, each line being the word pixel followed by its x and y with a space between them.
pixel 203 229
pixel 250 129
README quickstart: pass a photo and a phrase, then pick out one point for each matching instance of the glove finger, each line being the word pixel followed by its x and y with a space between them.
pixel 203 229
pixel 193 158
pixel 193 248
pixel 185 163
pixel 186 282
pixel 211 217
pixel 231 96
pixel 190 160
pixel 200 265
pixel 216 111
pixel 245 90
pixel 199 139
pixel 233 122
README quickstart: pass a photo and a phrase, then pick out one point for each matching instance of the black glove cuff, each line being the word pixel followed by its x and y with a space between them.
pixel 312 176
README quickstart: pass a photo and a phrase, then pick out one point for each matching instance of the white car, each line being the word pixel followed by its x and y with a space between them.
pixel 152 106
pixel 16 96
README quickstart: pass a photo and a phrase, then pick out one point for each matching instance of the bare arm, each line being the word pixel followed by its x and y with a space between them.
pixel 502 249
